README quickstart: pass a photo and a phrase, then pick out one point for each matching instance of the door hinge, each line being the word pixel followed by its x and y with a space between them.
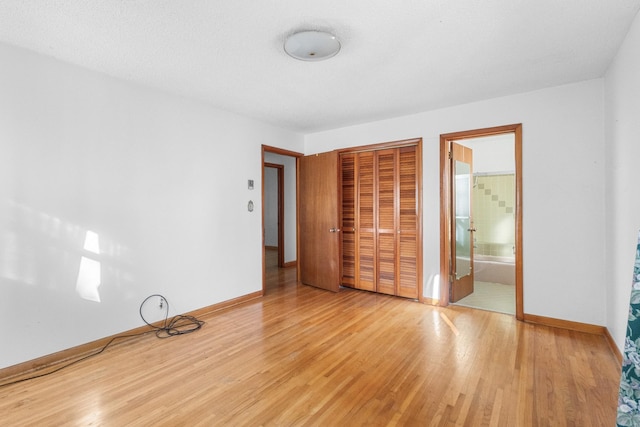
pixel 450 155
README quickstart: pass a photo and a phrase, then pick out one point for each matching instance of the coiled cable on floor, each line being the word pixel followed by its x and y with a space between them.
pixel 178 325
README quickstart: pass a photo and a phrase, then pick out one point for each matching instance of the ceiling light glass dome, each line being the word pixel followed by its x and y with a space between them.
pixel 312 45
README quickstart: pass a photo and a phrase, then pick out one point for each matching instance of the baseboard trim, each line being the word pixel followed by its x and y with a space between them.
pixel 565 324
pixel 430 301
pixel 82 350
pixel 613 346
pixel 579 327
pixel 290 264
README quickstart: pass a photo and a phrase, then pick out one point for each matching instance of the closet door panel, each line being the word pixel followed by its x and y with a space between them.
pixel 347 173
pixel 366 270
pixel 365 223
pixel 386 229
pixel 408 223
pixel 386 190
pixel 387 263
pixel 408 280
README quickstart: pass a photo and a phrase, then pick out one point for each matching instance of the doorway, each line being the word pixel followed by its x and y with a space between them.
pixel 279 215
pixel 274 212
pixel 481 239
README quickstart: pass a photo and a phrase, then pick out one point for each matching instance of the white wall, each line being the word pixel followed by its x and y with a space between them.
pixel 492 154
pixel 290 218
pixel 622 89
pixel 271 206
pixel 563 188
pixel 162 180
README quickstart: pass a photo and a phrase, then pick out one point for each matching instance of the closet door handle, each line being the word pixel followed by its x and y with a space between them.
pixel 334 230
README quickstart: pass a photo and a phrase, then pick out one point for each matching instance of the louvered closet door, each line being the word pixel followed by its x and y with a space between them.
pixel 386 224
pixel 380 221
pixel 408 223
pixel 348 174
pixel 365 222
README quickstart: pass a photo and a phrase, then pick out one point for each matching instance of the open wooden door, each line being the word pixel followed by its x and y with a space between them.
pixel 319 233
pixel 462 222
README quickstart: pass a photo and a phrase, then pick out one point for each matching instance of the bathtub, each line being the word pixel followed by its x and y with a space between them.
pixel 495 269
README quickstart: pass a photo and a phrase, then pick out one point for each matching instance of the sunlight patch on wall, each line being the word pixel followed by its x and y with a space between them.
pixel 89 274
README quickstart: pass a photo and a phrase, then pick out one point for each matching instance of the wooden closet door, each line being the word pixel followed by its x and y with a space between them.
pixel 365 222
pixel 380 220
pixel 348 225
pixel 386 225
pixel 408 252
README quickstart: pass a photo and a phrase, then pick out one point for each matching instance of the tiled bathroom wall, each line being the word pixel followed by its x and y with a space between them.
pixel 494 214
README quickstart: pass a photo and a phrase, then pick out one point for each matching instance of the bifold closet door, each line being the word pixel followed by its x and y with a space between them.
pixel 379 221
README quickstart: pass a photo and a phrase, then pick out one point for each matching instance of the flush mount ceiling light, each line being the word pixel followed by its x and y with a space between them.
pixel 312 45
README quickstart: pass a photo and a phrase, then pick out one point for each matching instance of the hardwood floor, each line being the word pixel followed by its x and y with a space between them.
pixel 303 356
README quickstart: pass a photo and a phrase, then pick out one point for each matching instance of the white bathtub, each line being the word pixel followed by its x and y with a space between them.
pixel 495 269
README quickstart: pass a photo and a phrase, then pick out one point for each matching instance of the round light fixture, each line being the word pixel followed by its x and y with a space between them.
pixel 312 45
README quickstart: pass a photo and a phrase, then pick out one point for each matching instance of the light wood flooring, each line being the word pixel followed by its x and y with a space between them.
pixel 302 356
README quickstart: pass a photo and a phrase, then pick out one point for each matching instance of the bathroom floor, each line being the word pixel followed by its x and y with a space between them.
pixel 491 297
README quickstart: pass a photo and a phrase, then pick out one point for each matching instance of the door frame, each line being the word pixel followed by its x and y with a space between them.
pixel 282 152
pixel 445 207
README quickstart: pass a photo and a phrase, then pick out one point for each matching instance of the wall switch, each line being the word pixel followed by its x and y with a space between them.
pixel 250 184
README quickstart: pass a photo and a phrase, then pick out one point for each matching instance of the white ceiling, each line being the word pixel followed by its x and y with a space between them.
pixel 398 57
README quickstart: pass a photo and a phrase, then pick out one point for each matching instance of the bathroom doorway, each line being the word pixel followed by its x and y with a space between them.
pixel 481 211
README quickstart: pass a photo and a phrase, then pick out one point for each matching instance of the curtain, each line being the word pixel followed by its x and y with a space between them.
pixel 629 395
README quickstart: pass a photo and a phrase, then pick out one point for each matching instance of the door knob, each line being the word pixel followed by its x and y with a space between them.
pixel 471 229
pixel 334 230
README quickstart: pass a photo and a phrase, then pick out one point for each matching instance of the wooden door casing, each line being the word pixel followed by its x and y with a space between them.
pixel 445 210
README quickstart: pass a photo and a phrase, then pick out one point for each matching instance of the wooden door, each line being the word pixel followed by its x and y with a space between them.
pixel 366 223
pixel 348 219
pixel 319 232
pixel 407 211
pixel 461 222
pixel 386 202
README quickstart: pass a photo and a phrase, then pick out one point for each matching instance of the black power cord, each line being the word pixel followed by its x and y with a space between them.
pixel 178 325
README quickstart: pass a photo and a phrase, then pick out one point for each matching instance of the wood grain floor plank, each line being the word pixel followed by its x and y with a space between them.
pixel 302 356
